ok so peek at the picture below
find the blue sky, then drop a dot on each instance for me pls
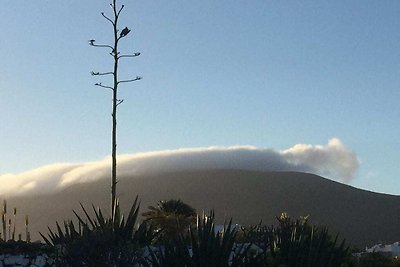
(270, 74)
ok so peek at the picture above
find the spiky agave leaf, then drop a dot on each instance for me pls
(295, 243)
(132, 216)
(99, 239)
(206, 247)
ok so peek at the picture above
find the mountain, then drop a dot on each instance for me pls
(362, 217)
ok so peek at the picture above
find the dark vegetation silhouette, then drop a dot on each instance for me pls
(100, 241)
(114, 52)
(9, 226)
(170, 218)
(296, 243)
(376, 259)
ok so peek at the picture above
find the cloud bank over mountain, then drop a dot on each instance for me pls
(332, 160)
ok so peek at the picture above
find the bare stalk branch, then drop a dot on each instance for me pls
(122, 7)
(119, 102)
(107, 46)
(104, 86)
(133, 55)
(131, 80)
(107, 18)
(101, 73)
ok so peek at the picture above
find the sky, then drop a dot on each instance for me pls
(262, 74)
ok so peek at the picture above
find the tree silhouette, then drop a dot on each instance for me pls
(171, 217)
(114, 19)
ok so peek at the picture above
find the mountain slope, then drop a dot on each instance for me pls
(362, 217)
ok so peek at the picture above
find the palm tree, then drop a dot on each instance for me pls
(170, 218)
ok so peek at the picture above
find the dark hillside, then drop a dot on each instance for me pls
(362, 217)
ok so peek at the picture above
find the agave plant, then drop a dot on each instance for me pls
(205, 247)
(296, 243)
(100, 240)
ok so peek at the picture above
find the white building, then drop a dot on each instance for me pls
(393, 249)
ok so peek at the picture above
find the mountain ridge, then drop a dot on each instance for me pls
(361, 217)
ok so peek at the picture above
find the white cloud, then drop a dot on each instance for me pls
(332, 160)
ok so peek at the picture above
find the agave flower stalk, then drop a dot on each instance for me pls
(9, 228)
(15, 222)
(4, 220)
(114, 52)
(27, 234)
